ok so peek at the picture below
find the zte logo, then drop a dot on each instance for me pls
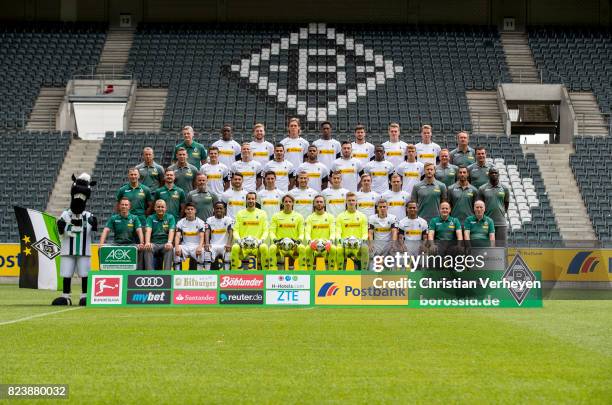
(118, 254)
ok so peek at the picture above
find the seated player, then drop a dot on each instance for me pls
(250, 233)
(218, 237)
(189, 238)
(287, 235)
(126, 228)
(159, 235)
(352, 235)
(320, 230)
(383, 230)
(412, 231)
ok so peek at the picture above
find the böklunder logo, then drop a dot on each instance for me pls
(242, 281)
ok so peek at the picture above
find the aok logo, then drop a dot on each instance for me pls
(118, 254)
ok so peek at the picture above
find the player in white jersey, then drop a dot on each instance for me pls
(295, 146)
(382, 231)
(410, 170)
(250, 169)
(284, 170)
(189, 238)
(362, 150)
(304, 195)
(366, 198)
(329, 149)
(235, 196)
(395, 150)
(261, 149)
(412, 230)
(229, 150)
(270, 198)
(396, 198)
(426, 150)
(335, 195)
(217, 173)
(218, 237)
(380, 170)
(349, 167)
(317, 171)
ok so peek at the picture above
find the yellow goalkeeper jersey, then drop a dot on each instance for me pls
(351, 224)
(320, 226)
(251, 223)
(287, 226)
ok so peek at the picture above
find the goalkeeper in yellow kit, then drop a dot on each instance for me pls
(250, 232)
(320, 231)
(287, 235)
(352, 235)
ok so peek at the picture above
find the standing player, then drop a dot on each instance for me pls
(380, 170)
(229, 149)
(218, 237)
(479, 171)
(395, 150)
(151, 173)
(335, 196)
(462, 196)
(366, 198)
(429, 193)
(235, 196)
(382, 230)
(410, 170)
(479, 227)
(250, 234)
(412, 230)
(317, 171)
(329, 148)
(352, 235)
(248, 168)
(463, 154)
(304, 195)
(320, 231)
(445, 172)
(496, 197)
(262, 150)
(216, 172)
(396, 197)
(184, 172)
(189, 239)
(295, 145)
(362, 150)
(426, 150)
(159, 238)
(287, 236)
(196, 152)
(172, 195)
(270, 198)
(349, 167)
(138, 194)
(202, 198)
(282, 168)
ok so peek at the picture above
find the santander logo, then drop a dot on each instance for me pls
(191, 297)
(242, 281)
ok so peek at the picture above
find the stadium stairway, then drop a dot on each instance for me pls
(45, 109)
(116, 51)
(148, 110)
(588, 115)
(567, 205)
(519, 58)
(81, 157)
(484, 112)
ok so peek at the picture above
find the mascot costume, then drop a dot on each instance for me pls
(76, 228)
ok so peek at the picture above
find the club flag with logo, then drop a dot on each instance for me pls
(40, 249)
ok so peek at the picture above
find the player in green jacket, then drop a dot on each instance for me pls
(352, 235)
(320, 231)
(287, 235)
(250, 232)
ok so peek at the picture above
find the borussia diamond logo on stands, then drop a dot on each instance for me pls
(333, 68)
(519, 271)
(47, 247)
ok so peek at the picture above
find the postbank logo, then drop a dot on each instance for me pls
(356, 290)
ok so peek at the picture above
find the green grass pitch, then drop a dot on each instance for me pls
(561, 353)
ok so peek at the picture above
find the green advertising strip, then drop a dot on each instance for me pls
(425, 289)
(118, 257)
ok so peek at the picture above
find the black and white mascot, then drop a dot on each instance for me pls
(76, 228)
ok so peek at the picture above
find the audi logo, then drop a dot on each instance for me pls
(149, 282)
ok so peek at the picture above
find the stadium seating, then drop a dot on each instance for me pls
(579, 57)
(594, 181)
(35, 55)
(372, 74)
(32, 160)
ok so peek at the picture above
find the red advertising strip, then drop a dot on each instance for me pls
(194, 297)
(242, 281)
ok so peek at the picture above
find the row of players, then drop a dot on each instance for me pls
(349, 235)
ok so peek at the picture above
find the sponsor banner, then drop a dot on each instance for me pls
(149, 282)
(287, 297)
(195, 282)
(155, 297)
(494, 257)
(105, 290)
(9, 259)
(357, 290)
(288, 282)
(194, 297)
(241, 281)
(241, 297)
(118, 257)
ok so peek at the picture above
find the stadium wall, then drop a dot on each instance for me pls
(472, 12)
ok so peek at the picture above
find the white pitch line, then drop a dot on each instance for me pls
(27, 318)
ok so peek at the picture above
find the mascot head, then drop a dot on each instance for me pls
(80, 192)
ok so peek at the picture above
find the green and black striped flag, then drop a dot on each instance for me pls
(40, 249)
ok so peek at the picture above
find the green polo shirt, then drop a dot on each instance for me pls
(428, 198)
(184, 176)
(446, 174)
(479, 229)
(445, 229)
(124, 229)
(495, 198)
(462, 200)
(139, 199)
(160, 228)
(479, 175)
(173, 197)
(151, 176)
(462, 159)
(204, 201)
(196, 153)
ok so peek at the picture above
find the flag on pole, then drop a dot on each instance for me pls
(40, 249)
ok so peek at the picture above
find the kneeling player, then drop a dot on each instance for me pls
(287, 234)
(250, 232)
(218, 237)
(320, 231)
(189, 238)
(352, 235)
